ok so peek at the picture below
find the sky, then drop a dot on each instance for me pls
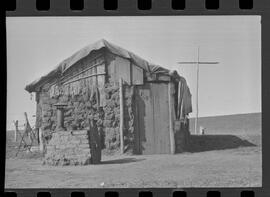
(35, 45)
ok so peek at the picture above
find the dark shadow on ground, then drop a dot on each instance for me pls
(200, 143)
(119, 161)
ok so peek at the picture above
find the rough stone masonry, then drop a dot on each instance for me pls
(68, 148)
(73, 147)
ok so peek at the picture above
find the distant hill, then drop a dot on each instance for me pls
(239, 124)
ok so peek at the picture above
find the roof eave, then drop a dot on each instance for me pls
(35, 85)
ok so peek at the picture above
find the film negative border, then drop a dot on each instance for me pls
(131, 7)
(135, 193)
(154, 192)
(159, 7)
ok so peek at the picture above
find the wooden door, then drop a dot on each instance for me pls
(152, 119)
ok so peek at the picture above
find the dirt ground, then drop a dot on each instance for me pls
(228, 161)
(224, 168)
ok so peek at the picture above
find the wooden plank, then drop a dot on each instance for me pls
(137, 121)
(164, 78)
(161, 117)
(156, 118)
(27, 126)
(77, 79)
(16, 130)
(94, 78)
(137, 75)
(91, 78)
(147, 128)
(121, 126)
(110, 68)
(41, 143)
(152, 117)
(122, 69)
(84, 71)
(101, 68)
(171, 117)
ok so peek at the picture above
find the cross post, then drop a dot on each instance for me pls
(198, 63)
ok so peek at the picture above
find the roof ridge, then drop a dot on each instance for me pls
(85, 51)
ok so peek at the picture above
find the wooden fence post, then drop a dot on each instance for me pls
(27, 127)
(171, 117)
(16, 130)
(121, 127)
(40, 136)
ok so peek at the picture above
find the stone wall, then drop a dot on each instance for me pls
(80, 108)
(129, 135)
(84, 106)
(111, 120)
(68, 148)
(47, 117)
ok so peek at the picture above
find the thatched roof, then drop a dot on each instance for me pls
(69, 62)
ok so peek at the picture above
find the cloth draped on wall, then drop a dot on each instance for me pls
(184, 106)
(99, 95)
(77, 88)
(95, 94)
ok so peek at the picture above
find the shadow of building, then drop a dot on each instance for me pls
(200, 143)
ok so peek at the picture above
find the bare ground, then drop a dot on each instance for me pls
(225, 168)
(226, 162)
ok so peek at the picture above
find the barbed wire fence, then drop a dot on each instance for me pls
(16, 122)
(11, 117)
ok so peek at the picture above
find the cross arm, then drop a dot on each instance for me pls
(198, 62)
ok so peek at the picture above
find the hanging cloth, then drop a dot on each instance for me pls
(184, 106)
(95, 94)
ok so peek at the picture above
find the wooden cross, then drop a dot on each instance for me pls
(198, 62)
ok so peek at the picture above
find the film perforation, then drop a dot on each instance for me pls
(43, 194)
(111, 194)
(110, 4)
(179, 194)
(212, 4)
(10, 5)
(77, 194)
(213, 194)
(144, 4)
(43, 5)
(247, 194)
(146, 194)
(10, 194)
(77, 5)
(245, 4)
(178, 4)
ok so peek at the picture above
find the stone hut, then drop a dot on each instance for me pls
(137, 107)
